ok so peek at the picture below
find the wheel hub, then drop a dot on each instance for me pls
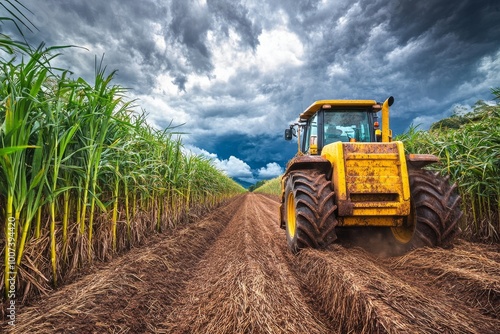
(404, 233)
(290, 215)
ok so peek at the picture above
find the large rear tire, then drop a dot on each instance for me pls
(436, 212)
(309, 211)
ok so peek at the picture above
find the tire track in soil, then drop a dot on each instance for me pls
(244, 285)
(469, 274)
(364, 295)
(232, 273)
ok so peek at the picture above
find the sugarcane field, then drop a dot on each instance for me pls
(162, 197)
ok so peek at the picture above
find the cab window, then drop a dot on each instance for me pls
(345, 126)
(311, 137)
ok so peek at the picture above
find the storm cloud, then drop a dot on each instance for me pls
(236, 73)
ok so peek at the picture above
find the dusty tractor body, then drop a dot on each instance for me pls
(348, 174)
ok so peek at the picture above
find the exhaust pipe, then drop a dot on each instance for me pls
(385, 119)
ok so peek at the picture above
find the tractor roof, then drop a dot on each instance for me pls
(313, 108)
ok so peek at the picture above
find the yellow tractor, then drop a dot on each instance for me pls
(348, 175)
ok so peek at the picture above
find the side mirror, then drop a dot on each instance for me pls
(289, 134)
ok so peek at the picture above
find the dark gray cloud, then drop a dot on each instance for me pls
(415, 50)
(188, 29)
(236, 72)
(229, 13)
(127, 32)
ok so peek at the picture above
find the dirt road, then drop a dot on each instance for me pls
(232, 273)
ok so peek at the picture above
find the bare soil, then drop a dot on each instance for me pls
(232, 272)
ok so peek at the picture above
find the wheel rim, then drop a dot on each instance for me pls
(290, 215)
(404, 233)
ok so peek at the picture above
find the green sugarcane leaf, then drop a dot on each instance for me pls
(36, 180)
(12, 149)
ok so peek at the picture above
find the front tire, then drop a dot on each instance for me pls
(309, 210)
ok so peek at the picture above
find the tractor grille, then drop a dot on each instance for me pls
(373, 175)
(356, 197)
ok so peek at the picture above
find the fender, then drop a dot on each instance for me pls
(417, 161)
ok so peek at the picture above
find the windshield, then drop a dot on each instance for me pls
(344, 125)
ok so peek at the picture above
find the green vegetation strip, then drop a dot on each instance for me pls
(468, 146)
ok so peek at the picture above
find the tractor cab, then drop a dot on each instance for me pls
(329, 121)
